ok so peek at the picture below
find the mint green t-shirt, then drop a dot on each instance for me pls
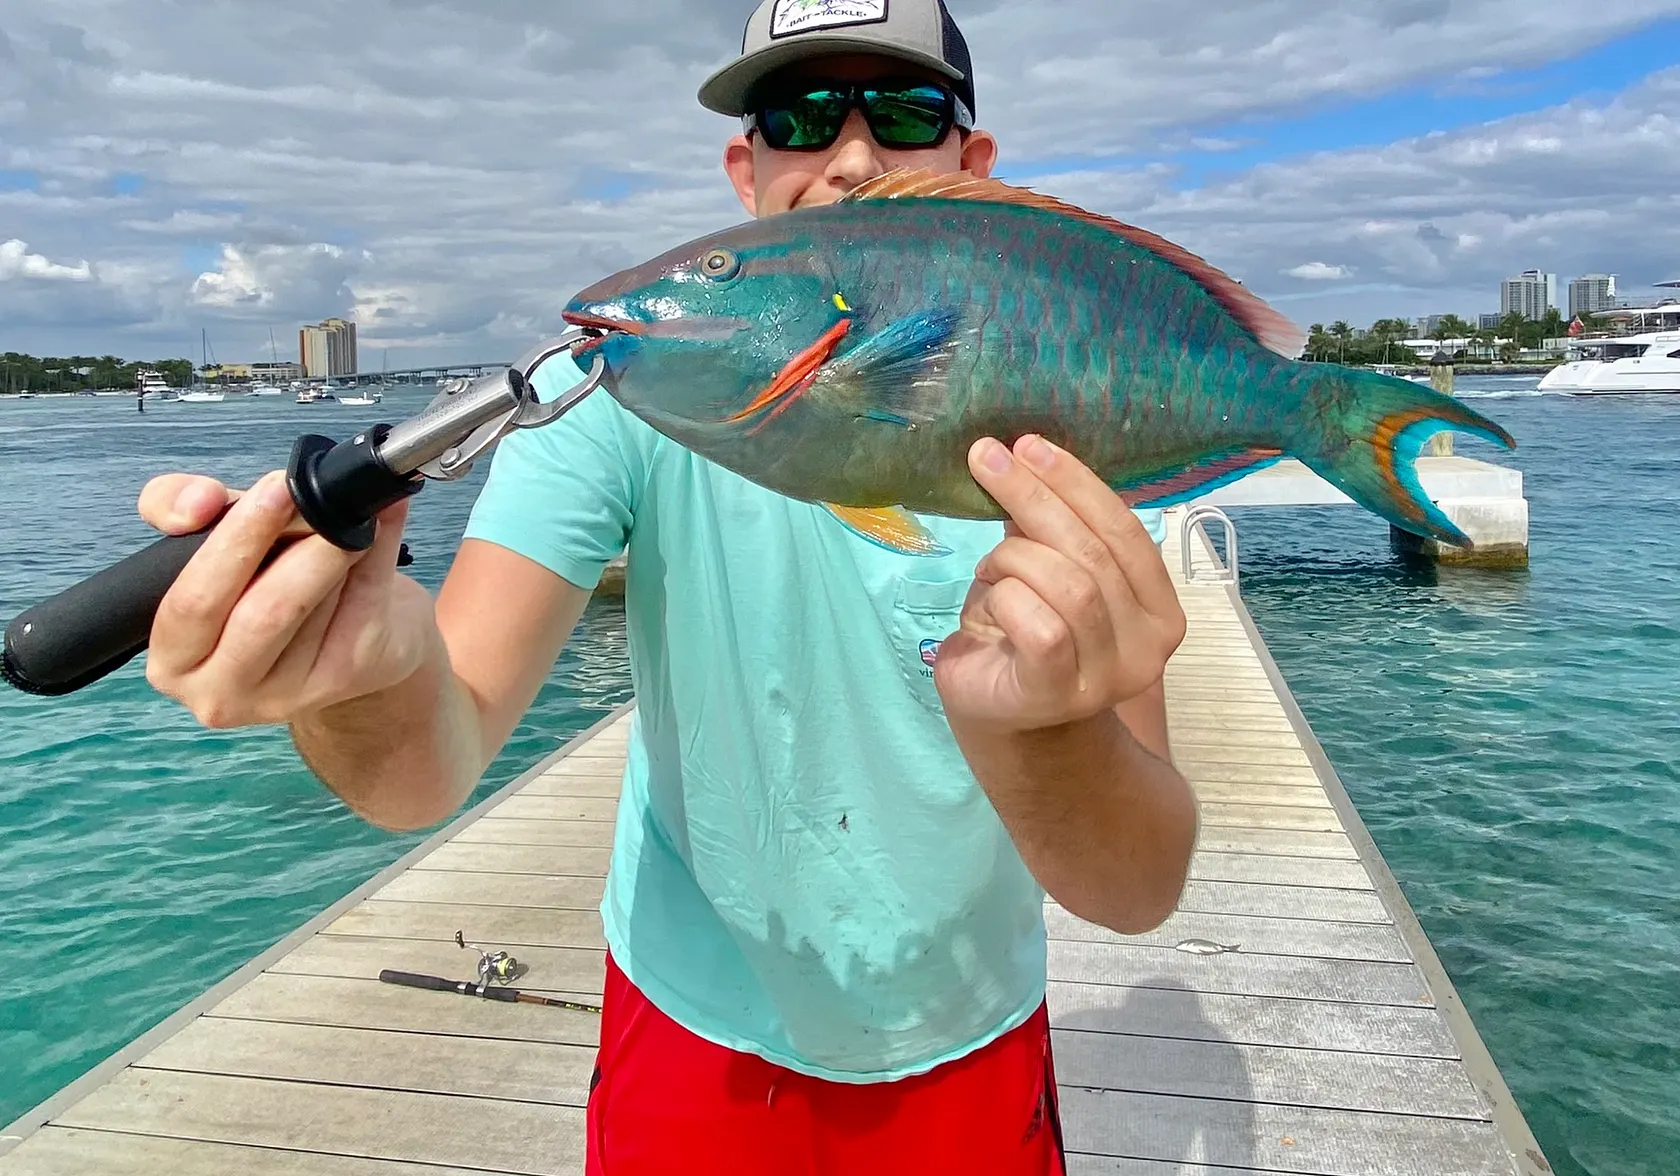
(803, 865)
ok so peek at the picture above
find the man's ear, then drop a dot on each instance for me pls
(738, 162)
(979, 154)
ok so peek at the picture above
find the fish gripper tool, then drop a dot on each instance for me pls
(98, 625)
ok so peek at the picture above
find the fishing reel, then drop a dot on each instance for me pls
(498, 966)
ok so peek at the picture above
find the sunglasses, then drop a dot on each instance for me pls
(915, 115)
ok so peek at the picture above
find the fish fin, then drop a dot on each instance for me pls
(1190, 481)
(1272, 329)
(798, 375)
(891, 527)
(897, 374)
(1368, 447)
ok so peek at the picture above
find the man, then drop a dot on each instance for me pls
(853, 774)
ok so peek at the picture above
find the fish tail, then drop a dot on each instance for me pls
(1368, 438)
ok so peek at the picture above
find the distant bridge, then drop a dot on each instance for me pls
(418, 375)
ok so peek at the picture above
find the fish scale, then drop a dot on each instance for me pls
(851, 355)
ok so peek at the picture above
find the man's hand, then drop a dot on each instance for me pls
(1072, 614)
(1052, 688)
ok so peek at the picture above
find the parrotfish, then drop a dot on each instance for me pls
(850, 356)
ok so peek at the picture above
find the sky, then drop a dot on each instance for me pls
(449, 174)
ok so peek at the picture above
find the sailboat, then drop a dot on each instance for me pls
(200, 392)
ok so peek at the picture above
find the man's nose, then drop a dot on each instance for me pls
(854, 158)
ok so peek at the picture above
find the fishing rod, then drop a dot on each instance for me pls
(487, 992)
(98, 625)
(492, 967)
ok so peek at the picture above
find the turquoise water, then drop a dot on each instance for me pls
(1510, 739)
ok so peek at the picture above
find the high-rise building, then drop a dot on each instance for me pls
(1530, 294)
(328, 349)
(1592, 293)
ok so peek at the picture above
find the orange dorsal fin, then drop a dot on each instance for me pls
(1272, 329)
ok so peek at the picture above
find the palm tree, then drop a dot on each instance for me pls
(1514, 325)
(1342, 333)
(1318, 343)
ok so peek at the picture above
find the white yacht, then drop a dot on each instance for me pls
(370, 396)
(153, 386)
(203, 394)
(1630, 364)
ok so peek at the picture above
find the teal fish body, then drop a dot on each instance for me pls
(851, 355)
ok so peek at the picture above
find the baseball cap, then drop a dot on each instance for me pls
(782, 32)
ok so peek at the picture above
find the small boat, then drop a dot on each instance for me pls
(203, 395)
(371, 396)
(309, 395)
(1630, 365)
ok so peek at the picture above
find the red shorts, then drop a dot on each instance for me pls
(664, 1101)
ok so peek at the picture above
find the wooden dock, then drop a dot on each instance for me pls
(1330, 1041)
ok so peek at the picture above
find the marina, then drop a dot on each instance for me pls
(1328, 1039)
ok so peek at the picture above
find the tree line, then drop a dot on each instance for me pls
(1382, 343)
(84, 373)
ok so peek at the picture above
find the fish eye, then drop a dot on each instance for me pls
(720, 265)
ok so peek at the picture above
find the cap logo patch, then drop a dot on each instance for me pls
(801, 16)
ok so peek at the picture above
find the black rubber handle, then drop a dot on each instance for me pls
(101, 624)
(439, 984)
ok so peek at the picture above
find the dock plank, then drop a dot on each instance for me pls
(473, 856)
(508, 927)
(1245, 1135)
(566, 972)
(1180, 1013)
(1330, 1080)
(525, 1138)
(71, 1151)
(369, 1004)
(1238, 973)
(1283, 902)
(1292, 937)
(518, 1069)
(578, 834)
(485, 888)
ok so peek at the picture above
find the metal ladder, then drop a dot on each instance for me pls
(1195, 522)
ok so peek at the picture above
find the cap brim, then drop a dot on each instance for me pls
(726, 90)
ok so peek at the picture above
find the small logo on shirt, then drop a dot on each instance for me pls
(801, 16)
(930, 654)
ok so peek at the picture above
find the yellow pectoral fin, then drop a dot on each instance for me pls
(891, 527)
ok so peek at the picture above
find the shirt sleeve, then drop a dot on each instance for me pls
(1155, 522)
(565, 495)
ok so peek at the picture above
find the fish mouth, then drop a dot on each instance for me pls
(598, 329)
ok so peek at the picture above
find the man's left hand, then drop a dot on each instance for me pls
(1072, 614)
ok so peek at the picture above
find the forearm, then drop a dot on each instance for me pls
(1105, 825)
(404, 758)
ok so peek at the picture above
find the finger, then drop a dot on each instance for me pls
(179, 504)
(1107, 515)
(278, 602)
(1070, 591)
(288, 681)
(371, 578)
(1045, 663)
(1036, 508)
(193, 612)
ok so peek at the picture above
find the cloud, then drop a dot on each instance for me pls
(17, 262)
(1318, 271)
(449, 175)
(267, 280)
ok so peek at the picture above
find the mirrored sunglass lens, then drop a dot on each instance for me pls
(914, 116)
(807, 121)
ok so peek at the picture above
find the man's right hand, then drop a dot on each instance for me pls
(316, 627)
